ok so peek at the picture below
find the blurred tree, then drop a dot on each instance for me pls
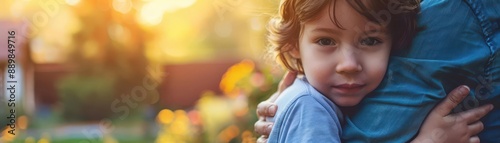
(108, 57)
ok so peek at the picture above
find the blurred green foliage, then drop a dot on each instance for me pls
(106, 67)
(87, 98)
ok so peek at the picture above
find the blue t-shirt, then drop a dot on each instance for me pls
(305, 115)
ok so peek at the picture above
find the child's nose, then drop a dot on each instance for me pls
(348, 63)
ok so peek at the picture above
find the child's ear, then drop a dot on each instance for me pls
(295, 52)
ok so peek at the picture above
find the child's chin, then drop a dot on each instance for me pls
(347, 103)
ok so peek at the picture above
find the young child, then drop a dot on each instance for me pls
(342, 48)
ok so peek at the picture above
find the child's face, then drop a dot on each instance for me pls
(343, 64)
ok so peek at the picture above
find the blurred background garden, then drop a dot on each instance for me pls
(135, 71)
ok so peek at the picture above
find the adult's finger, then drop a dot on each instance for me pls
(262, 139)
(266, 109)
(475, 128)
(262, 127)
(474, 139)
(452, 100)
(473, 115)
(287, 80)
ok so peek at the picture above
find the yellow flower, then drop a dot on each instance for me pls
(165, 116)
(234, 74)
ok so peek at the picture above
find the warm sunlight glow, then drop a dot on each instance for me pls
(256, 24)
(184, 3)
(119, 33)
(174, 5)
(223, 29)
(90, 49)
(152, 11)
(151, 14)
(175, 52)
(72, 2)
(17, 8)
(122, 6)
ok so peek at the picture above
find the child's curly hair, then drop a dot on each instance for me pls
(284, 30)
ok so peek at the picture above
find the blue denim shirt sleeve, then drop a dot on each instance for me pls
(459, 45)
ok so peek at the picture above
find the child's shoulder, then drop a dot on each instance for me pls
(300, 107)
(296, 94)
(301, 94)
(299, 89)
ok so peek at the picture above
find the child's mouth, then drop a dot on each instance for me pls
(348, 88)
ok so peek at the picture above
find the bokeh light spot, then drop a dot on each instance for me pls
(72, 2)
(122, 6)
(22, 122)
(165, 116)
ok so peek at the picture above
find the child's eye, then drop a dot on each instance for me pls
(325, 42)
(370, 41)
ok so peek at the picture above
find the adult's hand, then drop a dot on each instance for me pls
(268, 108)
(440, 126)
